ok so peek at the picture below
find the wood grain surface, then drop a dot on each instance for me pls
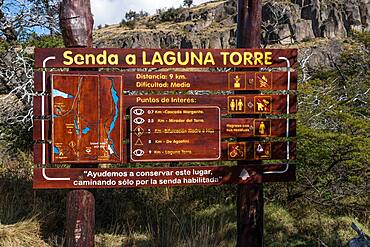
(184, 81)
(63, 178)
(143, 58)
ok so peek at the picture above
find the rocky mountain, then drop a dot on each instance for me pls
(213, 24)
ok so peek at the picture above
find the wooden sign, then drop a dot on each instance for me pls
(178, 80)
(240, 150)
(167, 81)
(175, 133)
(165, 151)
(249, 150)
(87, 121)
(257, 127)
(229, 104)
(162, 58)
(88, 178)
(86, 113)
(230, 127)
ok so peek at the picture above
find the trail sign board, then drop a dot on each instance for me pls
(102, 117)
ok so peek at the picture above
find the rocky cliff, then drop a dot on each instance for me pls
(213, 24)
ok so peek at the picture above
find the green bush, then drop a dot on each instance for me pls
(363, 37)
(45, 41)
(170, 14)
(131, 24)
(150, 25)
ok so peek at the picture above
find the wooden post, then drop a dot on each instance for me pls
(76, 22)
(249, 197)
(249, 23)
(80, 218)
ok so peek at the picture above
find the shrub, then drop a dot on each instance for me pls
(169, 15)
(188, 3)
(131, 24)
(133, 15)
(45, 41)
(150, 25)
(363, 37)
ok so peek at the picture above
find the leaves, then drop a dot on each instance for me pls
(334, 134)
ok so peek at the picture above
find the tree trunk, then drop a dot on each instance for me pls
(80, 219)
(76, 23)
(250, 196)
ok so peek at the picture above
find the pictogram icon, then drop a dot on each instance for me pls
(263, 104)
(138, 131)
(236, 104)
(138, 111)
(139, 142)
(263, 80)
(262, 150)
(139, 120)
(237, 81)
(138, 152)
(262, 127)
(237, 150)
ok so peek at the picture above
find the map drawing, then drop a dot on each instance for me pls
(86, 118)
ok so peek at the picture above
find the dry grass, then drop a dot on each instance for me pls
(116, 240)
(213, 226)
(24, 233)
(117, 29)
(307, 226)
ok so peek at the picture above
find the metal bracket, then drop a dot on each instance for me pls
(43, 108)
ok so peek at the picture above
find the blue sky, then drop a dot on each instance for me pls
(113, 11)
